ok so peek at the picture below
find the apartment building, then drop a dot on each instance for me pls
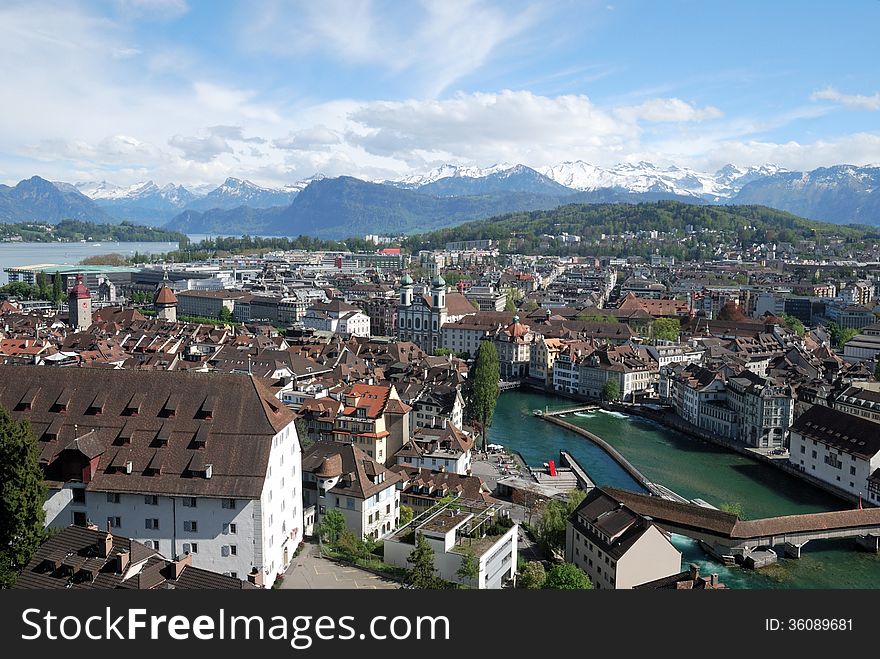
(160, 457)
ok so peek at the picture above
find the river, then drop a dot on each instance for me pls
(693, 469)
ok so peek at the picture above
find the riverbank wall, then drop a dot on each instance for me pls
(615, 455)
(675, 422)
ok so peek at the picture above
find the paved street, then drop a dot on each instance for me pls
(310, 571)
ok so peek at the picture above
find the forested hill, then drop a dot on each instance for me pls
(596, 224)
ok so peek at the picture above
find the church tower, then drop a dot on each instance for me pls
(79, 302)
(406, 291)
(438, 292)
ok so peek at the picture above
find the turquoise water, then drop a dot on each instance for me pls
(692, 469)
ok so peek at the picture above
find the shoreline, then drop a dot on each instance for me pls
(678, 424)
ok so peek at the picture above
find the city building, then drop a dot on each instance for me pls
(81, 558)
(617, 547)
(210, 304)
(840, 449)
(445, 449)
(79, 302)
(455, 531)
(159, 457)
(764, 409)
(343, 477)
(420, 319)
(860, 401)
(338, 317)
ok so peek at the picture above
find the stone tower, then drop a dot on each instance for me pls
(79, 301)
(165, 302)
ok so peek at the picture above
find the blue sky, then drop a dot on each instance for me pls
(193, 91)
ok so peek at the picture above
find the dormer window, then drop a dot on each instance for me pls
(164, 435)
(27, 401)
(206, 411)
(200, 440)
(169, 410)
(126, 433)
(133, 407)
(63, 401)
(98, 403)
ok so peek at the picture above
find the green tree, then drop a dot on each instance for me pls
(20, 289)
(532, 576)
(567, 576)
(509, 302)
(666, 329)
(57, 291)
(443, 352)
(611, 390)
(845, 336)
(331, 526)
(43, 286)
(22, 494)
(530, 306)
(794, 324)
(484, 387)
(733, 508)
(469, 570)
(551, 530)
(421, 576)
(406, 515)
(225, 315)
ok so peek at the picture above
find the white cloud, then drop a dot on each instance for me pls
(856, 101)
(515, 126)
(153, 9)
(316, 138)
(667, 110)
(436, 43)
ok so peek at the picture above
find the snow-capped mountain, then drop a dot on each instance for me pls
(236, 192)
(449, 171)
(643, 177)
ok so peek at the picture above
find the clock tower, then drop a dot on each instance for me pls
(79, 302)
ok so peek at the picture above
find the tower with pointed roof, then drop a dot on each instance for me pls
(79, 302)
(438, 292)
(406, 291)
(165, 301)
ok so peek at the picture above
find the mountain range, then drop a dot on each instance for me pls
(448, 195)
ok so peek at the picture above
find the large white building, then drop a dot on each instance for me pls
(338, 317)
(838, 448)
(186, 463)
(617, 547)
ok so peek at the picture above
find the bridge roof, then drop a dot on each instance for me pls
(689, 515)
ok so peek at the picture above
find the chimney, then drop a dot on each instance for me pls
(128, 467)
(105, 545)
(122, 560)
(180, 564)
(694, 571)
(209, 470)
(713, 580)
(256, 577)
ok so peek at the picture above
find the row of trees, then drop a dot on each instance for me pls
(44, 289)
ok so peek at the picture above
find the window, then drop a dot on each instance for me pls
(151, 523)
(112, 497)
(229, 503)
(114, 522)
(78, 494)
(349, 503)
(388, 509)
(191, 526)
(151, 499)
(152, 544)
(814, 455)
(233, 550)
(803, 449)
(189, 502)
(852, 471)
(190, 548)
